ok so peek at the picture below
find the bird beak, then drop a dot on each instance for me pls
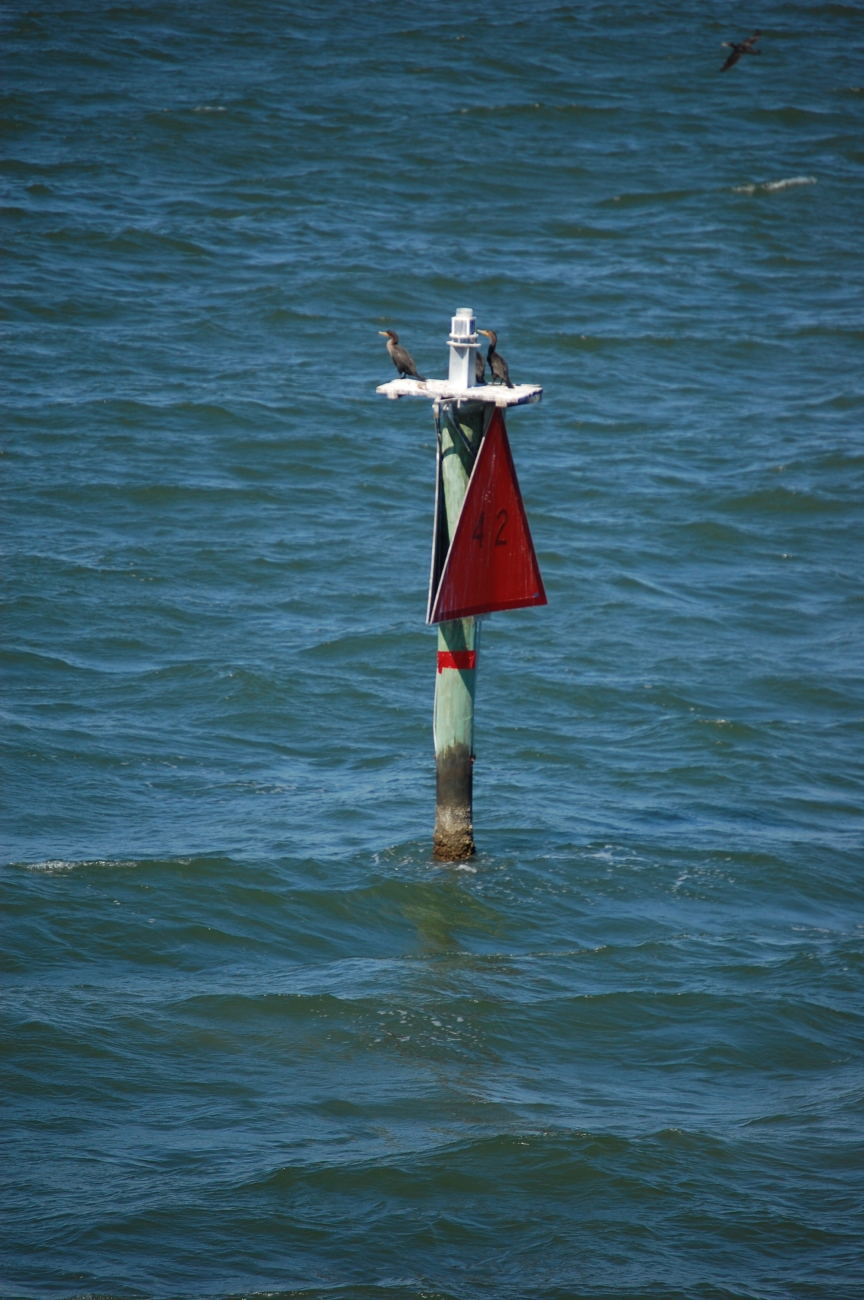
(486, 332)
(384, 332)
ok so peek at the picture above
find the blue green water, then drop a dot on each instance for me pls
(255, 1041)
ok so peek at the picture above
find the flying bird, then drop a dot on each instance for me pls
(401, 357)
(497, 364)
(740, 47)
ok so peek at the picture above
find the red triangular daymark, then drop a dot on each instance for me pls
(491, 563)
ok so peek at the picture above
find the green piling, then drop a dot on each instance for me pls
(462, 412)
(461, 432)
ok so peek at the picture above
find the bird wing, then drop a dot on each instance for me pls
(751, 40)
(406, 364)
(733, 57)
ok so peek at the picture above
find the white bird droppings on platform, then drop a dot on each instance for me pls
(439, 390)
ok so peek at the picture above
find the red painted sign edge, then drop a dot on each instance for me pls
(470, 611)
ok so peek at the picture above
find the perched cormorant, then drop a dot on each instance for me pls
(402, 358)
(740, 47)
(480, 367)
(497, 364)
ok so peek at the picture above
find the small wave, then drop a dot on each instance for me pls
(209, 108)
(645, 196)
(61, 864)
(494, 109)
(768, 187)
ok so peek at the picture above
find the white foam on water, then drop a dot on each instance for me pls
(767, 187)
(60, 864)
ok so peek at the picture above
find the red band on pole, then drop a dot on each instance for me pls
(457, 659)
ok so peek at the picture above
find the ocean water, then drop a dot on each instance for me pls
(255, 1041)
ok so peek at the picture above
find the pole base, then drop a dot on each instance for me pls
(454, 833)
(454, 839)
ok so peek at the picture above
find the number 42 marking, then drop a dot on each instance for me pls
(500, 539)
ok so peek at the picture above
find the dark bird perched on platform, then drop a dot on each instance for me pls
(497, 364)
(480, 367)
(402, 358)
(740, 47)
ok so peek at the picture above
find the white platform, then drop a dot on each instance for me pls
(440, 390)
